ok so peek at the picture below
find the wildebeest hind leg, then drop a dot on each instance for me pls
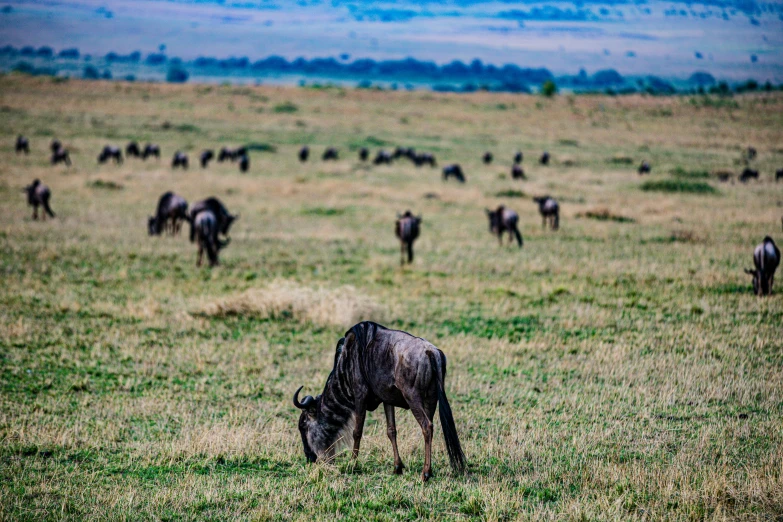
(391, 431)
(425, 421)
(35, 212)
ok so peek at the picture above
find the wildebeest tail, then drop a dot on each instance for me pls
(518, 236)
(453, 447)
(46, 207)
(192, 222)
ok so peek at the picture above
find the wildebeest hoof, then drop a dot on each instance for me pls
(398, 469)
(426, 476)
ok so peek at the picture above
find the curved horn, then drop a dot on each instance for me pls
(308, 400)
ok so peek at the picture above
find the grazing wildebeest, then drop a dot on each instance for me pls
(644, 168)
(747, 174)
(364, 154)
(231, 154)
(132, 150)
(766, 258)
(38, 194)
(454, 171)
(487, 158)
(61, 156)
(244, 163)
(517, 172)
(110, 151)
(330, 154)
(206, 230)
(150, 149)
(504, 220)
(750, 153)
(549, 210)
(544, 160)
(22, 144)
(407, 230)
(778, 175)
(172, 210)
(372, 366)
(425, 158)
(304, 153)
(383, 157)
(214, 205)
(206, 157)
(724, 175)
(180, 159)
(518, 157)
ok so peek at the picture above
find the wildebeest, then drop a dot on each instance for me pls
(766, 258)
(22, 145)
(38, 194)
(504, 220)
(205, 157)
(549, 210)
(110, 152)
(244, 163)
(150, 149)
(372, 366)
(304, 153)
(724, 175)
(454, 171)
(644, 168)
(518, 157)
(231, 154)
(747, 174)
(408, 152)
(383, 157)
(171, 211)
(406, 228)
(778, 175)
(206, 230)
(750, 153)
(55, 145)
(364, 154)
(544, 159)
(517, 172)
(61, 156)
(330, 154)
(487, 158)
(425, 158)
(132, 150)
(180, 159)
(214, 205)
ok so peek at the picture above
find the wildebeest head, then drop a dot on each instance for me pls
(152, 226)
(308, 423)
(227, 223)
(756, 274)
(495, 217)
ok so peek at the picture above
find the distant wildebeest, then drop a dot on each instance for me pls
(304, 153)
(518, 157)
(244, 163)
(110, 152)
(549, 210)
(766, 258)
(364, 154)
(39, 194)
(425, 158)
(172, 210)
(383, 157)
(22, 144)
(205, 157)
(407, 230)
(61, 156)
(214, 205)
(517, 172)
(778, 175)
(150, 149)
(487, 158)
(750, 153)
(231, 154)
(544, 160)
(399, 152)
(330, 154)
(747, 174)
(504, 220)
(724, 175)
(644, 168)
(454, 171)
(180, 159)
(132, 150)
(205, 226)
(372, 366)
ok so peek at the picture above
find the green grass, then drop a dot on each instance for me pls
(678, 185)
(680, 172)
(610, 370)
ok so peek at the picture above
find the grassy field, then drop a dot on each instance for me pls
(619, 368)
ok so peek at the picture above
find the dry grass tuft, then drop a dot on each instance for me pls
(342, 306)
(604, 214)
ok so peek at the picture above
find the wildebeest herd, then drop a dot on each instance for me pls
(373, 365)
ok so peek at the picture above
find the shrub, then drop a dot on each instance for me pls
(177, 74)
(286, 107)
(678, 185)
(91, 73)
(549, 88)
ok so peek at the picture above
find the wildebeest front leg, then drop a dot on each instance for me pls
(402, 253)
(35, 212)
(200, 253)
(358, 429)
(391, 431)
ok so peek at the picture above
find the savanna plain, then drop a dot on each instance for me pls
(619, 368)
